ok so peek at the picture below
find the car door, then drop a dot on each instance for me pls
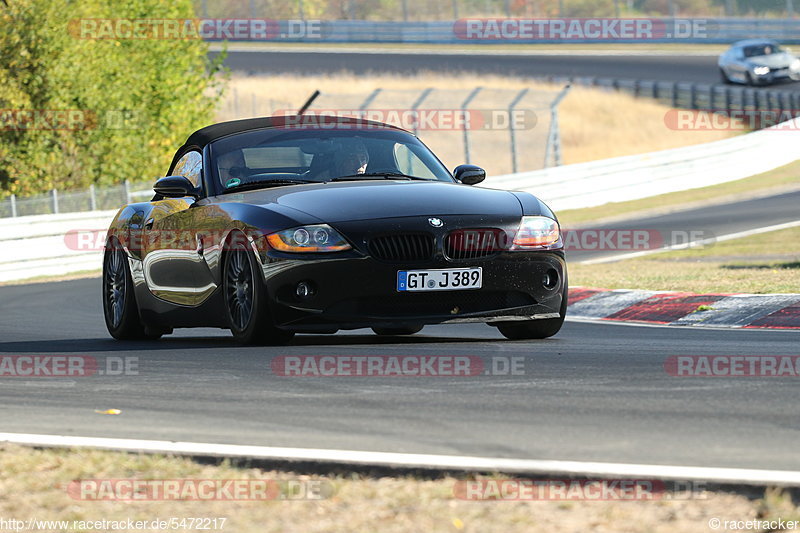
(171, 262)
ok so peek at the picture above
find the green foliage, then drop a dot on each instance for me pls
(138, 98)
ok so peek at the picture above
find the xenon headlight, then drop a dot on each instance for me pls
(316, 238)
(760, 71)
(537, 232)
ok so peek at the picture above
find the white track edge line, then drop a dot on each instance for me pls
(411, 460)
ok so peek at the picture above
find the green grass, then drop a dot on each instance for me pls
(778, 179)
(762, 264)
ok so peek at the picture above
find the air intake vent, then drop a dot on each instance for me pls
(473, 243)
(408, 247)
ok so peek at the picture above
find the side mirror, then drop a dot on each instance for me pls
(469, 174)
(176, 187)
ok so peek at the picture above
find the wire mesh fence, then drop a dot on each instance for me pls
(502, 130)
(91, 199)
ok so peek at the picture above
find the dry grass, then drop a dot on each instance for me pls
(763, 264)
(32, 486)
(595, 124)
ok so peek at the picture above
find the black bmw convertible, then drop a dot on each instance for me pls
(274, 226)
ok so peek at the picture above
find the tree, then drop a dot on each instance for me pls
(135, 100)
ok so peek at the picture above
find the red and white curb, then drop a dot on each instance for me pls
(772, 311)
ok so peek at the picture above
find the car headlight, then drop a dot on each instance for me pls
(760, 71)
(537, 232)
(795, 65)
(316, 238)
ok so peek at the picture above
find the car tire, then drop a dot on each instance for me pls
(537, 329)
(397, 331)
(119, 300)
(246, 303)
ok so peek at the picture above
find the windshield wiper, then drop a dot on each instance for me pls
(267, 183)
(380, 175)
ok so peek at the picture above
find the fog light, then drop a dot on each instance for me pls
(304, 290)
(550, 279)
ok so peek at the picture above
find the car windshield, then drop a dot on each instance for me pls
(282, 156)
(764, 49)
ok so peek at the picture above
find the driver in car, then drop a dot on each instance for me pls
(349, 159)
(232, 168)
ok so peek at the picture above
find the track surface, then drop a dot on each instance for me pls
(711, 222)
(701, 69)
(595, 392)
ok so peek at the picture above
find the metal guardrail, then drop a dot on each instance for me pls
(717, 31)
(37, 245)
(689, 95)
(640, 176)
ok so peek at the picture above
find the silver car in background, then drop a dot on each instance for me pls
(758, 62)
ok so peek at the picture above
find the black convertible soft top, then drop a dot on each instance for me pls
(200, 138)
(211, 133)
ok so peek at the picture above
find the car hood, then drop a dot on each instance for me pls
(343, 201)
(772, 61)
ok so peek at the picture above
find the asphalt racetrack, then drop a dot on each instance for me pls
(689, 68)
(595, 392)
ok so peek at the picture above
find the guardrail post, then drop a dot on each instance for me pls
(655, 90)
(54, 194)
(728, 102)
(675, 94)
(464, 105)
(513, 103)
(92, 198)
(712, 97)
(13, 206)
(405, 10)
(692, 96)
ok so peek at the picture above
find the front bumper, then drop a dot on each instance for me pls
(354, 291)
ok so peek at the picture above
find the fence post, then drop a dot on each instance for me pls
(675, 95)
(554, 136)
(369, 99)
(92, 198)
(127, 188)
(13, 205)
(418, 103)
(405, 10)
(455, 9)
(464, 105)
(513, 103)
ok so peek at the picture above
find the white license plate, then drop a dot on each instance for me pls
(448, 279)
